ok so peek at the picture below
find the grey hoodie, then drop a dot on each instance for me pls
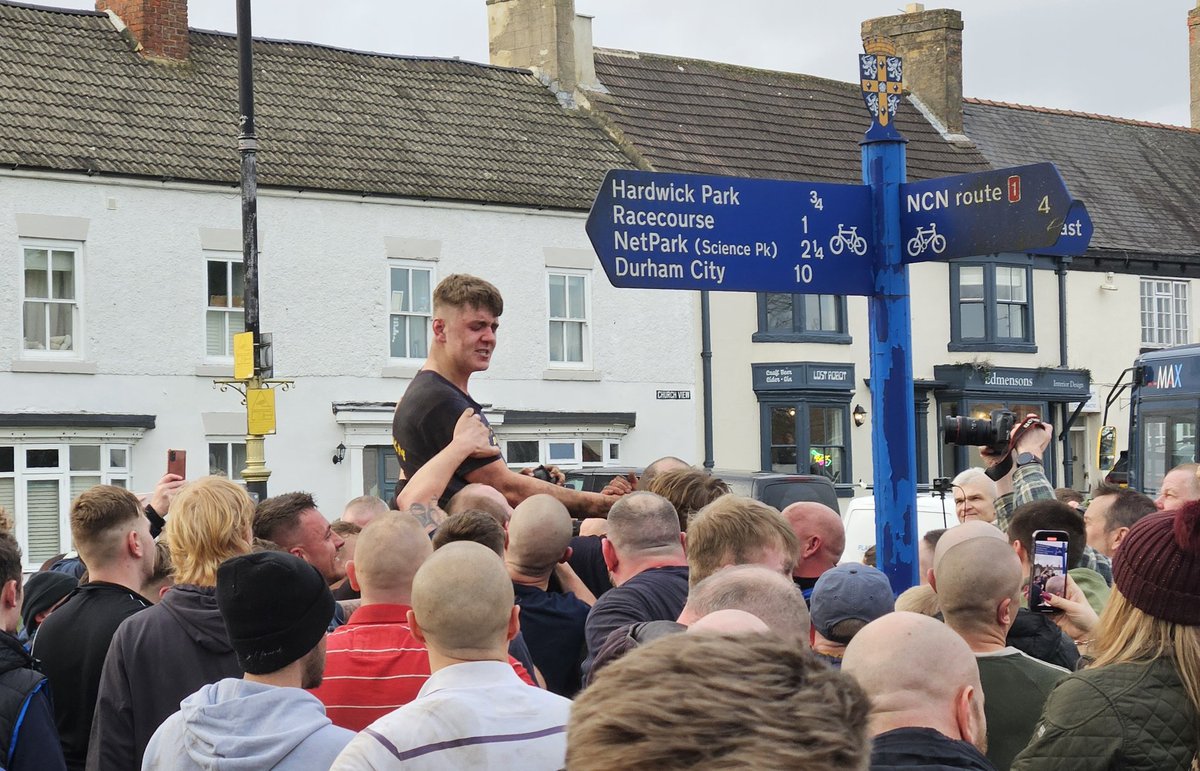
(234, 725)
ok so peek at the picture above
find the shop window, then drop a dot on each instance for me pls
(792, 318)
(227, 459)
(809, 438)
(991, 307)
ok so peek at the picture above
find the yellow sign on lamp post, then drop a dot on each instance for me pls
(260, 411)
(243, 356)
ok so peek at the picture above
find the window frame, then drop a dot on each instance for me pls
(234, 475)
(585, 363)
(77, 316)
(802, 402)
(799, 333)
(409, 265)
(22, 474)
(1175, 329)
(990, 341)
(229, 258)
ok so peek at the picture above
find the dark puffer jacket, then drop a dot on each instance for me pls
(1123, 716)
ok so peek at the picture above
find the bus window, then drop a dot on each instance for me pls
(1167, 441)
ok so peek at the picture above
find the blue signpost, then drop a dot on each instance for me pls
(684, 231)
(687, 231)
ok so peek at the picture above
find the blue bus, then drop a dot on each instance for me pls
(1164, 409)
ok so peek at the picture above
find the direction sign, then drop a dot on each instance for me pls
(1021, 209)
(1075, 235)
(685, 231)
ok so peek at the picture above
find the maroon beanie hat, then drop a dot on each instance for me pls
(1157, 566)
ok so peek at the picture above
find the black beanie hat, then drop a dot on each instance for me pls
(276, 608)
(42, 591)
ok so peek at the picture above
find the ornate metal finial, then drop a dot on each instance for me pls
(882, 83)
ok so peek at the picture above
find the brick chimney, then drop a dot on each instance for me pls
(158, 27)
(1194, 59)
(930, 43)
(537, 35)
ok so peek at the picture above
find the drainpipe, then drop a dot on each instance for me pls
(706, 364)
(1061, 270)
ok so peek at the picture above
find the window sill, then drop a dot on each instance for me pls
(405, 371)
(64, 367)
(591, 375)
(993, 346)
(801, 337)
(214, 370)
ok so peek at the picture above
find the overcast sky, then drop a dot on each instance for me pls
(1116, 57)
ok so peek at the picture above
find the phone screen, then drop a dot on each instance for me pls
(1049, 569)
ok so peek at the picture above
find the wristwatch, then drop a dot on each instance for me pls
(1027, 459)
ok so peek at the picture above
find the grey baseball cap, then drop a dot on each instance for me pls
(849, 591)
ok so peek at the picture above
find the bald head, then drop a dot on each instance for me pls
(388, 553)
(974, 579)
(480, 497)
(644, 524)
(660, 466)
(754, 589)
(462, 601)
(821, 534)
(363, 509)
(960, 534)
(892, 658)
(730, 621)
(539, 534)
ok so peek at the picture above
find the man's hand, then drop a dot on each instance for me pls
(1034, 440)
(621, 485)
(164, 491)
(472, 434)
(1077, 618)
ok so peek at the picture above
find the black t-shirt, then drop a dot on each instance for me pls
(424, 425)
(71, 644)
(657, 594)
(552, 624)
(587, 560)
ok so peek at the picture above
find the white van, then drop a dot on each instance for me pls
(859, 520)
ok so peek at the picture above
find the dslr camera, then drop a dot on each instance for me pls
(980, 432)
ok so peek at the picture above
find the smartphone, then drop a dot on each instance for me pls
(177, 462)
(1048, 568)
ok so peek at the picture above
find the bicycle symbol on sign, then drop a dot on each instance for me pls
(926, 238)
(848, 238)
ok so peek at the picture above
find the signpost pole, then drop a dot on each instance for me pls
(893, 423)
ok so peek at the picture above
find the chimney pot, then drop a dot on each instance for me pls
(914, 8)
(930, 42)
(159, 26)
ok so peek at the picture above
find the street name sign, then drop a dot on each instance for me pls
(1021, 209)
(655, 230)
(1075, 235)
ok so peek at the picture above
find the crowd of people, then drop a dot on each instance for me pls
(491, 619)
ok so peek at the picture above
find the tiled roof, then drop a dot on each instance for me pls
(75, 98)
(689, 115)
(1139, 180)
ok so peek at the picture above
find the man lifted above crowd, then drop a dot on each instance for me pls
(465, 313)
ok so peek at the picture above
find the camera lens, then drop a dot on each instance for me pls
(972, 432)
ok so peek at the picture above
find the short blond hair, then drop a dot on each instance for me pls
(733, 530)
(719, 701)
(209, 523)
(461, 290)
(100, 518)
